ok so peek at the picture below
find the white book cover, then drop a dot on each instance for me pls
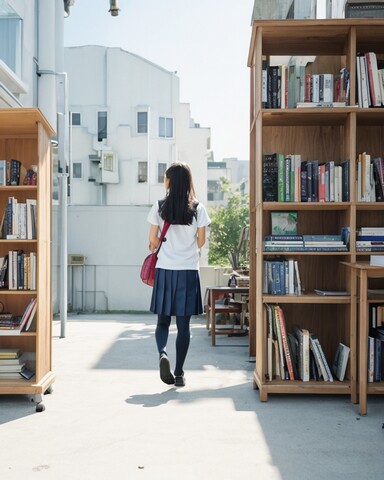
(328, 87)
(374, 87)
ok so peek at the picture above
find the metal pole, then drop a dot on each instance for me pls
(63, 252)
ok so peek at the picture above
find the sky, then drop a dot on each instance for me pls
(205, 41)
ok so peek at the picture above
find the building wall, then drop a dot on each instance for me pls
(122, 83)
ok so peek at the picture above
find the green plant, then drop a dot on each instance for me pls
(226, 225)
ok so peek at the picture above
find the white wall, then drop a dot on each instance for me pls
(115, 241)
(122, 84)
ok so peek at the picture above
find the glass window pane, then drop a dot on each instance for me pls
(76, 119)
(101, 126)
(142, 122)
(169, 127)
(10, 43)
(142, 172)
(161, 127)
(77, 170)
(162, 167)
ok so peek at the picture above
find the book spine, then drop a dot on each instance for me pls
(317, 357)
(285, 344)
(280, 342)
(324, 360)
(270, 170)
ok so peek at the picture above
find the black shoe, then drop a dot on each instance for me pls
(179, 380)
(165, 370)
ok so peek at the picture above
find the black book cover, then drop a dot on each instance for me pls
(345, 180)
(303, 182)
(270, 170)
(273, 86)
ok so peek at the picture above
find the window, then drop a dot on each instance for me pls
(142, 176)
(77, 170)
(161, 168)
(165, 127)
(10, 38)
(101, 126)
(142, 122)
(75, 119)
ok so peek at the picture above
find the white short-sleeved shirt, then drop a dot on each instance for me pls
(179, 251)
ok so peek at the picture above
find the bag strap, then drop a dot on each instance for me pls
(164, 231)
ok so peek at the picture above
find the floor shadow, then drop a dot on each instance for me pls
(239, 394)
(14, 407)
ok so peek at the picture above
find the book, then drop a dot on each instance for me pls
(270, 169)
(340, 361)
(27, 313)
(321, 104)
(323, 358)
(31, 315)
(10, 353)
(11, 367)
(302, 336)
(3, 172)
(269, 341)
(15, 172)
(284, 337)
(331, 293)
(284, 223)
(279, 342)
(318, 358)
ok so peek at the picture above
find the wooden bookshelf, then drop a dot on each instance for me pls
(324, 134)
(26, 135)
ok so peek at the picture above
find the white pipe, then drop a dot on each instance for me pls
(63, 178)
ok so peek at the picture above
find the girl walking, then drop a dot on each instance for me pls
(176, 291)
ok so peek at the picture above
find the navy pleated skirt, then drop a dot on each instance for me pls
(176, 292)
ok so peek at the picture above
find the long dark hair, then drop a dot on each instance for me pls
(178, 207)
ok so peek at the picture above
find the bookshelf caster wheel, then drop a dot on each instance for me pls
(40, 407)
(49, 390)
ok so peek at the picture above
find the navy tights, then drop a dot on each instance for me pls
(182, 340)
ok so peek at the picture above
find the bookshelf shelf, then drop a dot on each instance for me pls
(324, 134)
(306, 298)
(26, 136)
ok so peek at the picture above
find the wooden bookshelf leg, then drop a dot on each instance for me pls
(263, 395)
(363, 340)
(213, 320)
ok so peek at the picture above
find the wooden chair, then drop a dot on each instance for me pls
(226, 305)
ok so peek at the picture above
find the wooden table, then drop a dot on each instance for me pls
(364, 271)
(212, 295)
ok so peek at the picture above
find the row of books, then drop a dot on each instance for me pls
(376, 354)
(292, 87)
(19, 220)
(10, 172)
(370, 239)
(18, 270)
(370, 80)
(307, 243)
(281, 277)
(285, 178)
(369, 178)
(376, 315)
(298, 355)
(15, 324)
(13, 364)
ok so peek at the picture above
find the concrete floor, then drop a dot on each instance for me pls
(110, 416)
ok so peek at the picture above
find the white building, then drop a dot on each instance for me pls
(128, 126)
(235, 171)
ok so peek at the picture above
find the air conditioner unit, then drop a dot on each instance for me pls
(76, 259)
